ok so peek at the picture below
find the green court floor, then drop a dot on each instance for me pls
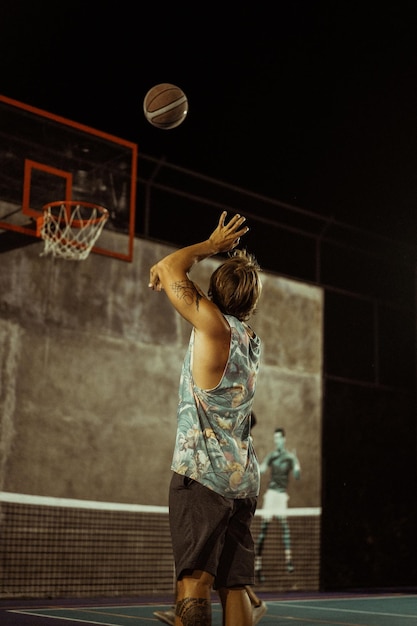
(344, 609)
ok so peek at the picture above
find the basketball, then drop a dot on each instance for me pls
(165, 106)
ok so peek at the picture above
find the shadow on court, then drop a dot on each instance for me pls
(318, 609)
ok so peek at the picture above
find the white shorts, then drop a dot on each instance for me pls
(274, 504)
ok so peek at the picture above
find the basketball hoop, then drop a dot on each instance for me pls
(70, 228)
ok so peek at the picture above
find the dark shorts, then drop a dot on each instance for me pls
(211, 533)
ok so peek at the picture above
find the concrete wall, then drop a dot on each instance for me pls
(89, 368)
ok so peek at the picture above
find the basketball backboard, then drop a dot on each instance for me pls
(46, 158)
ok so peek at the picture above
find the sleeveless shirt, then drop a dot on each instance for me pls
(213, 443)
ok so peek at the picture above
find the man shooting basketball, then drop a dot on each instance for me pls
(215, 482)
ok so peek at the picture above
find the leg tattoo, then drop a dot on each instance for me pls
(194, 612)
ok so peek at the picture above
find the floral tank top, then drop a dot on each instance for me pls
(213, 442)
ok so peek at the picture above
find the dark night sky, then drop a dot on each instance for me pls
(311, 103)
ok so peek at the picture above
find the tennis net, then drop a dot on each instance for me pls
(55, 547)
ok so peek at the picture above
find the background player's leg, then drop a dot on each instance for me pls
(259, 547)
(286, 540)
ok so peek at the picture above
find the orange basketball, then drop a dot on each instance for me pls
(165, 106)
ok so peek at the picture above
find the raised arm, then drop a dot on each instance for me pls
(212, 331)
(170, 274)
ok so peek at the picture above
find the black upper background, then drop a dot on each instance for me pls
(312, 103)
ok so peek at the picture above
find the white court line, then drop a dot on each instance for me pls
(102, 610)
(68, 619)
(344, 610)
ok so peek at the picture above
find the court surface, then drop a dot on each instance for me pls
(317, 609)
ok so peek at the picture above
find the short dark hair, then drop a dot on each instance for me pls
(280, 430)
(235, 286)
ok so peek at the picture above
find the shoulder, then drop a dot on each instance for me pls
(272, 456)
(241, 331)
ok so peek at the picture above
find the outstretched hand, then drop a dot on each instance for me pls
(224, 238)
(227, 236)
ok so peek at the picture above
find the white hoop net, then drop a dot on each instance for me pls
(70, 229)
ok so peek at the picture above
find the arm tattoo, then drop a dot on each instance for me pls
(194, 612)
(186, 290)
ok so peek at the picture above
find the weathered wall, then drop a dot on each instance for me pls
(90, 361)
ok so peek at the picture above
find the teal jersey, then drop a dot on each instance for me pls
(213, 443)
(281, 464)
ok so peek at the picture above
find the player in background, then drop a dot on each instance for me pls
(281, 463)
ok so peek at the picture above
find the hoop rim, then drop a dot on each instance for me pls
(73, 203)
(66, 232)
(69, 205)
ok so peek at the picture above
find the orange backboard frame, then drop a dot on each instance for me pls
(41, 154)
